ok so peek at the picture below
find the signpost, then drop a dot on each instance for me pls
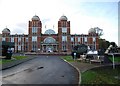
(113, 58)
(74, 56)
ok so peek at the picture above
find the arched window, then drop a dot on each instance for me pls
(49, 40)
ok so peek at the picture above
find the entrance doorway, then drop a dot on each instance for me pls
(49, 48)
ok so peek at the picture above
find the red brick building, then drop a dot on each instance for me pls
(62, 41)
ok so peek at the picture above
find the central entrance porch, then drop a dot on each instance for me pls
(49, 47)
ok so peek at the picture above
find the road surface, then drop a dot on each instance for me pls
(41, 70)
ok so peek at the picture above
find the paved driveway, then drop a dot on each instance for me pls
(42, 70)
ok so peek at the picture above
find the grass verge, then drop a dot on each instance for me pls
(102, 75)
(116, 59)
(3, 61)
(67, 58)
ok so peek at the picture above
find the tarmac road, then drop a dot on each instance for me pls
(41, 70)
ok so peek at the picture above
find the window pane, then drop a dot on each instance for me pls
(19, 39)
(94, 39)
(85, 39)
(64, 30)
(72, 39)
(3, 39)
(34, 38)
(19, 47)
(49, 40)
(64, 38)
(26, 39)
(34, 29)
(78, 39)
(12, 39)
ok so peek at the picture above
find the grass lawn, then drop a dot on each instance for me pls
(117, 59)
(3, 61)
(101, 75)
(19, 57)
(67, 58)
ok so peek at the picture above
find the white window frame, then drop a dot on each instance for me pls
(12, 39)
(19, 39)
(19, 47)
(64, 30)
(85, 39)
(79, 39)
(3, 39)
(34, 38)
(34, 29)
(26, 39)
(34, 47)
(72, 39)
(64, 38)
(64, 47)
(94, 39)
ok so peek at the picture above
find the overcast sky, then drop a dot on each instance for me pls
(83, 14)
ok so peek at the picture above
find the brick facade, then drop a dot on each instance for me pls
(36, 41)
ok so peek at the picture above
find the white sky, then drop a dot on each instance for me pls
(83, 15)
